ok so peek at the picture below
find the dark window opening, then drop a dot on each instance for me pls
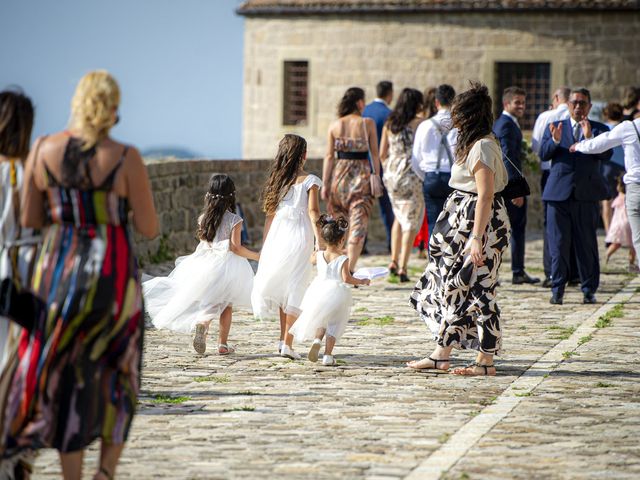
(295, 97)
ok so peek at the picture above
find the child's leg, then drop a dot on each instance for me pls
(320, 333)
(331, 342)
(289, 321)
(283, 325)
(612, 249)
(225, 325)
(632, 255)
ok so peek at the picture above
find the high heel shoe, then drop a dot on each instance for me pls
(393, 268)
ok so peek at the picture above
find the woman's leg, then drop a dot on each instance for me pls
(607, 213)
(482, 367)
(331, 342)
(438, 360)
(283, 325)
(109, 456)
(225, 325)
(613, 248)
(71, 464)
(405, 251)
(396, 241)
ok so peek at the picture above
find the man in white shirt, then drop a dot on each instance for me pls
(626, 134)
(433, 154)
(560, 111)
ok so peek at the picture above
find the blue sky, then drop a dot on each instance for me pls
(178, 62)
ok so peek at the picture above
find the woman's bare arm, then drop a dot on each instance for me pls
(373, 144)
(314, 215)
(32, 202)
(384, 145)
(485, 179)
(327, 165)
(139, 194)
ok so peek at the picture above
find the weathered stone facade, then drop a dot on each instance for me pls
(179, 187)
(597, 49)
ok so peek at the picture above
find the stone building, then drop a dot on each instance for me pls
(300, 56)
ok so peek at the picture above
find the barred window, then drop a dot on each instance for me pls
(295, 97)
(534, 78)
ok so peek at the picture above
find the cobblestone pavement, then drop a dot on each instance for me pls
(566, 402)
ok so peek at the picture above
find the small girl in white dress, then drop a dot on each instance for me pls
(290, 201)
(327, 303)
(212, 280)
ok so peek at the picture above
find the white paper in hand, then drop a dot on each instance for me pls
(371, 273)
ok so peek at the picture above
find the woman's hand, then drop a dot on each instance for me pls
(476, 252)
(324, 193)
(377, 190)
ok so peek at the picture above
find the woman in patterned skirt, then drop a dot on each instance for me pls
(350, 183)
(456, 296)
(403, 185)
(78, 374)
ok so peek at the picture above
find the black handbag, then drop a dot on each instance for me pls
(516, 187)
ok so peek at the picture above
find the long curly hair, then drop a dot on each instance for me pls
(471, 114)
(16, 123)
(409, 104)
(284, 171)
(94, 102)
(332, 230)
(220, 198)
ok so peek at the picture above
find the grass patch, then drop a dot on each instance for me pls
(585, 339)
(361, 309)
(546, 375)
(248, 393)
(523, 394)
(340, 362)
(604, 385)
(566, 355)
(377, 321)
(394, 280)
(561, 333)
(169, 399)
(239, 409)
(522, 327)
(213, 378)
(444, 437)
(607, 319)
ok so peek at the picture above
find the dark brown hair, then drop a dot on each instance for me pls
(332, 230)
(621, 187)
(16, 123)
(409, 104)
(284, 171)
(631, 98)
(511, 92)
(349, 102)
(430, 102)
(613, 112)
(472, 115)
(220, 198)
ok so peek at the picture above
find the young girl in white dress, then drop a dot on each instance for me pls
(327, 302)
(290, 201)
(211, 281)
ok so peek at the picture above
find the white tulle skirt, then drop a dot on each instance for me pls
(327, 304)
(201, 286)
(285, 270)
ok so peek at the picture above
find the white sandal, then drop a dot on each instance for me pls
(200, 340)
(224, 349)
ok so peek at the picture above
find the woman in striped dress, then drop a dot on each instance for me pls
(78, 375)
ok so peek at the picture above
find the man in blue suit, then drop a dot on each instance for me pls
(574, 190)
(507, 129)
(380, 110)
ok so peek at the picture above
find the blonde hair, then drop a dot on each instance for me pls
(94, 102)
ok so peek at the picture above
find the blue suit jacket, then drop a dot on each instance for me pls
(379, 112)
(510, 137)
(576, 173)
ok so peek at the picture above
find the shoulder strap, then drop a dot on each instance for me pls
(444, 144)
(636, 129)
(112, 174)
(366, 137)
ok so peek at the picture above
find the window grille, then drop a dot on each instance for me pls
(295, 97)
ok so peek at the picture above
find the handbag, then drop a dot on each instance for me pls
(516, 187)
(375, 182)
(17, 302)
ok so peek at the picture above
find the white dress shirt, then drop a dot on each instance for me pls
(512, 117)
(542, 123)
(426, 145)
(623, 134)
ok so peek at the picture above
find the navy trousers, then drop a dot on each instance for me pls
(568, 222)
(435, 190)
(518, 220)
(386, 212)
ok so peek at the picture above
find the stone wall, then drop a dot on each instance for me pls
(179, 187)
(599, 50)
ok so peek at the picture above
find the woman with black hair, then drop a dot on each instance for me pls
(456, 296)
(403, 185)
(350, 182)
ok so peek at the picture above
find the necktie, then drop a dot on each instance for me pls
(577, 130)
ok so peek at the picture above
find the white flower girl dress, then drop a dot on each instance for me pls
(327, 303)
(284, 271)
(202, 285)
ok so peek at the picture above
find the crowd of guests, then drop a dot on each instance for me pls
(417, 148)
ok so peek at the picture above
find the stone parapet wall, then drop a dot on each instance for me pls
(179, 187)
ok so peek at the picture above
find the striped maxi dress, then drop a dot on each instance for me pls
(78, 374)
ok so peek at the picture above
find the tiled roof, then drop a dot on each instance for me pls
(272, 7)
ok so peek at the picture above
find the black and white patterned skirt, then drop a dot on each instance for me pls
(455, 299)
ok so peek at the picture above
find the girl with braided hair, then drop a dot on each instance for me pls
(211, 281)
